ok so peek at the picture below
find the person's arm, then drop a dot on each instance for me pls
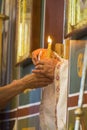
(16, 87)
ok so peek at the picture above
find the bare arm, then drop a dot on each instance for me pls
(18, 86)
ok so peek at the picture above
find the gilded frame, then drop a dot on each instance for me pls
(23, 22)
(27, 29)
(75, 16)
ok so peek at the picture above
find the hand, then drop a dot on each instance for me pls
(46, 67)
(41, 53)
(35, 81)
(35, 55)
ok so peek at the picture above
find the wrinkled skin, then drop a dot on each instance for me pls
(35, 81)
(45, 66)
(29, 81)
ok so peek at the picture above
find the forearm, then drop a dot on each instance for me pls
(9, 91)
(18, 86)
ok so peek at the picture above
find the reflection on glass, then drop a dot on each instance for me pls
(24, 27)
(77, 14)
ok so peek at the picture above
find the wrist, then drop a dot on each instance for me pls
(27, 81)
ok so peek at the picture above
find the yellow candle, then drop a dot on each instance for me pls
(49, 46)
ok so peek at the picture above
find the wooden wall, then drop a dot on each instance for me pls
(54, 18)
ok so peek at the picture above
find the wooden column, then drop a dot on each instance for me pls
(54, 18)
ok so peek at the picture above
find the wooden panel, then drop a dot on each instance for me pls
(54, 20)
(36, 21)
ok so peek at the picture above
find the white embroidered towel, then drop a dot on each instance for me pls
(62, 101)
(47, 108)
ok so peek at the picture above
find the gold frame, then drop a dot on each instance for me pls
(27, 29)
(22, 29)
(75, 16)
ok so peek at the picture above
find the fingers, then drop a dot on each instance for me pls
(43, 83)
(39, 55)
(57, 56)
(43, 79)
(45, 68)
(37, 71)
(46, 63)
(43, 62)
(36, 55)
(35, 60)
(39, 66)
(37, 80)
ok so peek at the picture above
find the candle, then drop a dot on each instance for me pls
(49, 46)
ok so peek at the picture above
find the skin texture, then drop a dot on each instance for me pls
(41, 77)
(35, 55)
(44, 66)
(18, 86)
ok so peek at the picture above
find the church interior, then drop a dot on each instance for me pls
(58, 27)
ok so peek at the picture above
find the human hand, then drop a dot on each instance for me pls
(36, 55)
(41, 54)
(35, 81)
(46, 67)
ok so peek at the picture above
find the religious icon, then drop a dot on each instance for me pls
(75, 15)
(77, 49)
(27, 28)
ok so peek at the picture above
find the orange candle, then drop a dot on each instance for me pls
(49, 46)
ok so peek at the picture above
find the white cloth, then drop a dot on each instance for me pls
(54, 100)
(47, 108)
(62, 98)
